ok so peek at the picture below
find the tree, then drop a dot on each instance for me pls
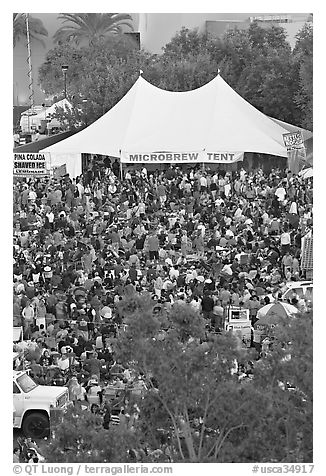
(269, 82)
(36, 28)
(303, 55)
(92, 27)
(196, 398)
(257, 63)
(186, 42)
(100, 75)
(80, 438)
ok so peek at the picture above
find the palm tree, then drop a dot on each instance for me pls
(36, 28)
(90, 26)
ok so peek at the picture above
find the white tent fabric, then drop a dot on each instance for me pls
(17, 334)
(306, 173)
(64, 103)
(35, 120)
(211, 120)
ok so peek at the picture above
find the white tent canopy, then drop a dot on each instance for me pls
(209, 124)
(36, 119)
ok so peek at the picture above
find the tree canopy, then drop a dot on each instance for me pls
(258, 63)
(91, 27)
(199, 402)
(36, 28)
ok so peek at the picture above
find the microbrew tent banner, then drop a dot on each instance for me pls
(176, 157)
(212, 121)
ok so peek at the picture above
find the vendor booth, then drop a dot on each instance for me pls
(149, 125)
(43, 119)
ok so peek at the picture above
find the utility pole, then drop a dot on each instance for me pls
(30, 75)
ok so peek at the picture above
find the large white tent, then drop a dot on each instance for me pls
(209, 124)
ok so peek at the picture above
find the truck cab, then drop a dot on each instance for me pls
(34, 404)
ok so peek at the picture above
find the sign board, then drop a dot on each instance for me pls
(238, 314)
(307, 253)
(243, 328)
(31, 164)
(177, 157)
(293, 140)
(59, 171)
(294, 143)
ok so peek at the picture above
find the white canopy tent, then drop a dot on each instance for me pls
(36, 119)
(209, 124)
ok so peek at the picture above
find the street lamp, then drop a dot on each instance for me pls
(64, 71)
(84, 101)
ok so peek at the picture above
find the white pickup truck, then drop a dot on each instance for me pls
(34, 404)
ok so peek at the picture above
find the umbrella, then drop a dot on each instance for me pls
(274, 312)
(306, 173)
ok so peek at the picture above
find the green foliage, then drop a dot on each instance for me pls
(80, 438)
(36, 28)
(258, 63)
(303, 54)
(100, 75)
(263, 419)
(195, 403)
(92, 27)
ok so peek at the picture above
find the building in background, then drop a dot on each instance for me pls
(157, 29)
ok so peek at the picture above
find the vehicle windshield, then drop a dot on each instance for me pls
(26, 383)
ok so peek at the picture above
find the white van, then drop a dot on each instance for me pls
(298, 289)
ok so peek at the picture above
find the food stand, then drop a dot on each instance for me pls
(238, 321)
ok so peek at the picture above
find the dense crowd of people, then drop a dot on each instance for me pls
(209, 238)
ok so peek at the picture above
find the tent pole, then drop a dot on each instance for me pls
(121, 171)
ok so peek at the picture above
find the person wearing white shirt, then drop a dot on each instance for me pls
(265, 218)
(238, 213)
(203, 184)
(32, 195)
(293, 208)
(228, 221)
(280, 193)
(227, 189)
(285, 242)
(195, 303)
(229, 234)
(63, 362)
(50, 217)
(81, 189)
(218, 202)
(174, 273)
(243, 174)
(202, 229)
